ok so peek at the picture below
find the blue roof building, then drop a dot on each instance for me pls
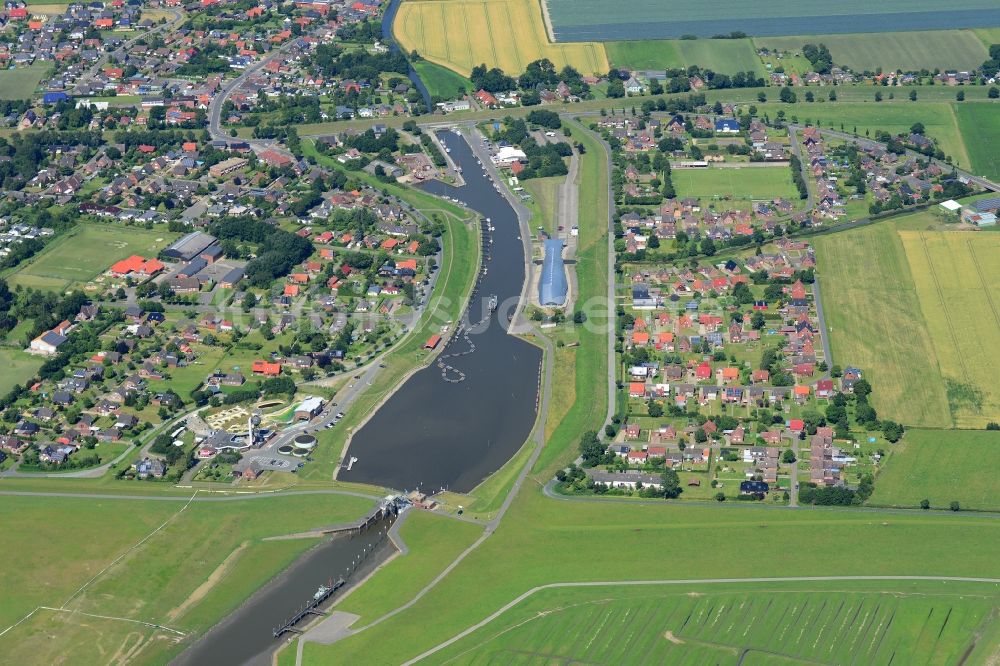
(53, 97)
(552, 287)
(727, 125)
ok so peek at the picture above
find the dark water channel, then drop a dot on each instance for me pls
(246, 636)
(451, 428)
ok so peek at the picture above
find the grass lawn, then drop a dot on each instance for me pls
(869, 298)
(747, 183)
(220, 544)
(441, 81)
(85, 252)
(909, 51)
(432, 541)
(460, 34)
(545, 192)
(727, 56)
(980, 126)
(647, 54)
(18, 367)
(942, 466)
(21, 82)
(543, 541)
(673, 624)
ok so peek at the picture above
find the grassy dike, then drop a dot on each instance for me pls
(457, 272)
(542, 540)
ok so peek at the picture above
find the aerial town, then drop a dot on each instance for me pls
(359, 331)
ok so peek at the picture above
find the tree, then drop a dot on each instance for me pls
(862, 388)
(913, 95)
(591, 449)
(955, 506)
(671, 483)
(993, 92)
(788, 456)
(892, 431)
(917, 128)
(654, 408)
(960, 96)
(878, 96)
(925, 504)
(993, 425)
(787, 95)
(720, 497)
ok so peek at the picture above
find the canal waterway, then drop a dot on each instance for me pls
(246, 636)
(418, 83)
(454, 423)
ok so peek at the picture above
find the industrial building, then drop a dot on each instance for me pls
(194, 244)
(552, 285)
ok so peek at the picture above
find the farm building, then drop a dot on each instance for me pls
(190, 246)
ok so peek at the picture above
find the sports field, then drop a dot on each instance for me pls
(942, 466)
(16, 367)
(508, 34)
(828, 624)
(929, 49)
(84, 253)
(746, 183)
(980, 126)
(957, 282)
(597, 20)
(20, 83)
(875, 320)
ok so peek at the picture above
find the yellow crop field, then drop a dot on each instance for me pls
(958, 285)
(460, 34)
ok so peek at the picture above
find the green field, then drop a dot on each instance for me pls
(727, 56)
(647, 54)
(942, 466)
(746, 183)
(823, 624)
(909, 51)
(21, 82)
(441, 81)
(980, 126)
(206, 560)
(17, 367)
(875, 322)
(85, 252)
(545, 195)
(938, 117)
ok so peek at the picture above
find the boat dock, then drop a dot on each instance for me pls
(311, 608)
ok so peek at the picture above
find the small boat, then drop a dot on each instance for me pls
(321, 592)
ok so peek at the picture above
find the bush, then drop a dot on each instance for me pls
(954, 506)
(925, 504)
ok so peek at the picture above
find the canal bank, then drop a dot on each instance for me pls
(455, 422)
(246, 636)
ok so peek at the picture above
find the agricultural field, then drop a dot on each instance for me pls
(875, 320)
(441, 81)
(596, 20)
(744, 184)
(753, 625)
(930, 49)
(938, 118)
(85, 252)
(957, 283)
(980, 126)
(942, 466)
(21, 82)
(207, 559)
(647, 54)
(460, 34)
(727, 56)
(18, 367)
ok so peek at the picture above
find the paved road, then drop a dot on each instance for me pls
(824, 329)
(688, 582)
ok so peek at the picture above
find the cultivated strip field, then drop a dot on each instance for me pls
(640, 625)
(942, 466)
(957, 280)
(876, 323)
(928, 49)
(508, 34)
(597, 20)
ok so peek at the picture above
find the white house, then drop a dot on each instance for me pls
(508, 155)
